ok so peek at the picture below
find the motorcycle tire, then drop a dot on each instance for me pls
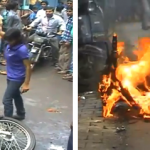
(25, 130)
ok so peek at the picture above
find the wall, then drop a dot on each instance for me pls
(53, 3)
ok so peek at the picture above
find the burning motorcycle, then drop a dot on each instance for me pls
(14, 135)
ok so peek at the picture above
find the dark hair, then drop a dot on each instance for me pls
(12, 34)
(45, 2)
(69, 8)
(69, 1)
(34, 8)
(13, 5)
(59, 8)
(50, 8)
(7, 6)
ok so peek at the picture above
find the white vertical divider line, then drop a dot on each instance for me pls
(75, 74)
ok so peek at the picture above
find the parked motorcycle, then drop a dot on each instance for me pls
(94, 45)
(14, 135)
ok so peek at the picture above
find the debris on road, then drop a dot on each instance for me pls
(120, 129)
(55, 147)
(52, 110)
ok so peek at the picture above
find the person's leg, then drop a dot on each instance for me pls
(61, 57)
(69, 75)
(71, 64)
(55, 49)
(12, 88)
(70, 141)
(19, 105)
(66, 57)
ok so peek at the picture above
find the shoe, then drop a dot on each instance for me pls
(58, 68)
(67, 76)
(62, 72)
(17, 117)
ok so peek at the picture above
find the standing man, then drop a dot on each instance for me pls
(64, 11)
(42, 13)
(65, 50)
(13, 20)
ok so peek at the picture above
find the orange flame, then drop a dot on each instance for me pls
(131, 74)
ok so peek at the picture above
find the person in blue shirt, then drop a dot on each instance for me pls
(32, 16)
(18, 73)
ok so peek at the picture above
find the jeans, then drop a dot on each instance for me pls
(70, 141)
(71, 64)
(13, 93)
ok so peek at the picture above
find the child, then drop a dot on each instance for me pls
(18, 73)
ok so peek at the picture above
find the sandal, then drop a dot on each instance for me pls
(67, 75)
(70, 80)
(3, 72)
(62, 72)
(3, 62)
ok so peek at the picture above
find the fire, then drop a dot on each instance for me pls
(128, 81)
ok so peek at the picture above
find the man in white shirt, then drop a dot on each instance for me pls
(51, 23)
(42, 13)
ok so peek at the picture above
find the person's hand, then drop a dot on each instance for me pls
(28, 28)
(59, 33)
(24, 88)
(61, 42)
(67, 43)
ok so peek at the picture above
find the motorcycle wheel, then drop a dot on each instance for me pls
(21, 138)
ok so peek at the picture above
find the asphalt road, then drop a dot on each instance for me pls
(47, 90)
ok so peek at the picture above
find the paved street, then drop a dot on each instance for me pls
(48, 90)
(98, 133)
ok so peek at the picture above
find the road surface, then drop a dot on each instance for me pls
(98, 133)
(48, 90)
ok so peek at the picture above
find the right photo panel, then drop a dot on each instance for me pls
(113, 74)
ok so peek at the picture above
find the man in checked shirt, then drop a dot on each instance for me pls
(65, 50)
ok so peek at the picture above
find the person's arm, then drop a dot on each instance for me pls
(64, 15)
(28, 71)
(38, 15)
(61, 25)
(10, 21)
(24, 54)
(35, 22)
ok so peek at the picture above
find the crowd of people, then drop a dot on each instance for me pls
(15, 53)
(40, 10)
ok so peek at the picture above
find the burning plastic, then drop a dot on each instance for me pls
(125, 84)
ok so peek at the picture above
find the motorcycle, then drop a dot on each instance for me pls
(41, 48)
(93, 45)
(14, 135)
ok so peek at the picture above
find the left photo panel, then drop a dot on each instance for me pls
(36, 73)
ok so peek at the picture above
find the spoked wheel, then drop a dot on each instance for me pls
(14, 135)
